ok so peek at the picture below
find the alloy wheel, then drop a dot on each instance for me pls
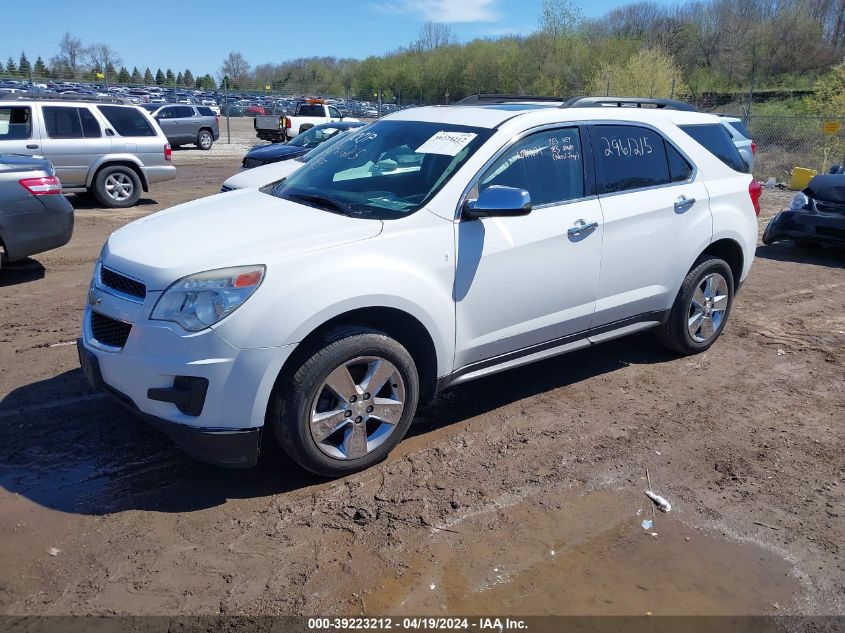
(708, 307)
(119, 187)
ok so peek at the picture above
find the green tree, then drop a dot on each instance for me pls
(159, 77)
(136, 77)
(649, 73)
(24, 66)
(11, 67)
(180, 79)
(829, 97)
(123, 75)
(169, 77)
(39, 69)
(188, 78)
(148, 77)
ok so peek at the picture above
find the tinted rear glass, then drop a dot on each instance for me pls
(629, 157)
(310, 110)
(205, 111)
(739, 126)
(127, 121)
(716, 139)
(62, 122)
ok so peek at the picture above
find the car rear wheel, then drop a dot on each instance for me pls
(117, 187)
(348, 404)
(701, 308)
(205, 140)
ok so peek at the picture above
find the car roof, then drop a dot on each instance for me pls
(493, 116)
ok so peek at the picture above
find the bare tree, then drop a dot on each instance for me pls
(559, 18)
(236, 68)
(70, 54)
(103, 56)
(434, 35)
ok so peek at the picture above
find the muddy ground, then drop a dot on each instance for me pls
(518, 494)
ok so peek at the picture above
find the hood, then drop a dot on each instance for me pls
(276, 151)
(229, 229)
(262, 175)
(827, 188)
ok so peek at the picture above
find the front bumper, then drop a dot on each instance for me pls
(825, 228)
(238, 448)
(210, 397)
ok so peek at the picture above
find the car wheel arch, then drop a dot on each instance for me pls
(98, 167)
(728, 250)
(398, 324)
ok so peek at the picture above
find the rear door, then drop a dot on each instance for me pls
(73, 140)
(19, 130)
(187, 126)
(656, 213)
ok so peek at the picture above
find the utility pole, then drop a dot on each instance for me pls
(227, 104)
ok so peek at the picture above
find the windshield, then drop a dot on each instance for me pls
(322, 147)
(313, 137)
(387, 170)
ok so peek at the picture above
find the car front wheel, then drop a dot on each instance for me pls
(701, 308)
(348, 404)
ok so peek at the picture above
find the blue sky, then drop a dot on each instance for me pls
(199, 34)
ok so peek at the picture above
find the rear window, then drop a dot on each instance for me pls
(205, 111)
(716, 139)
(739, 126)
(310, 110)
(127, 121)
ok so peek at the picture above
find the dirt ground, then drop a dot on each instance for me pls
(521, 493)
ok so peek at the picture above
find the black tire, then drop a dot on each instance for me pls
(290, 412)
(205, 140)
(125, 175)
(674, 333)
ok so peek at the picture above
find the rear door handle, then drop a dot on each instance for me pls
(32, 146)
(581, 226)
(683, 204)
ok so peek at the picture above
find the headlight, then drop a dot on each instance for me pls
(800, 201)
(198, 301)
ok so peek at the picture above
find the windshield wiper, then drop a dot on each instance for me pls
(322, 201)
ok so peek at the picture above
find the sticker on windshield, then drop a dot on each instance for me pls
(446, 143)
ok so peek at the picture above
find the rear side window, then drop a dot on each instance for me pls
(184, 112)
(310, 110)
(629, 157)
(90, 126)
(679, 168)
(127, 121)
(205, 111)
(718, 142)
(548, 165)
(15, 123)
(739, 126)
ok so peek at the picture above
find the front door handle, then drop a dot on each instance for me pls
(683, 204)
(582, 227)
(32, 146)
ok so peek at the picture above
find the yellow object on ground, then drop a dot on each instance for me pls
(800, 178)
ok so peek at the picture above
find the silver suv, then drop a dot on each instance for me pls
(188, 124)
(112, 151)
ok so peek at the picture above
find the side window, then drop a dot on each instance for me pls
(184, 112)
(15, 123)
(205, 111)
(715, 138)
(127, 121)
(548, 165)
(90, 126)
(165, 113)
(62, 122)
(334, 113)
(629, 157)
(679, 169)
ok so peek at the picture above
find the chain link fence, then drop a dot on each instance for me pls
(784, 142)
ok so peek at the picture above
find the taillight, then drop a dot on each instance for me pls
(753, 147)
(755, 190)
(287, 123)
(42, 186)
(167, 151)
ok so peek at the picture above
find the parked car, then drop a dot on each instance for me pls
(184, 124)
(302, 144)
(112, 151)
(816, 215)
(34, 216)
(273, 173)
(741, 138)
(330, 305)
(305, 115)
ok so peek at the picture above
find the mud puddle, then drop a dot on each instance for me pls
(587, 556)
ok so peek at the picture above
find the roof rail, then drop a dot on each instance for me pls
(502, 98)
(628, 102)
(37, 96)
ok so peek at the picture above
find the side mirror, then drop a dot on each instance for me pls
(499, 201)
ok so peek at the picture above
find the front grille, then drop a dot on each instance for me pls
(838, 234)
(109, 331)
(225, 188)
(122, 284)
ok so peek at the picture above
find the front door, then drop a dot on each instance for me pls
(530, 281)
(19, 131)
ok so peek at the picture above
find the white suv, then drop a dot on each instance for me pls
(432, 247)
